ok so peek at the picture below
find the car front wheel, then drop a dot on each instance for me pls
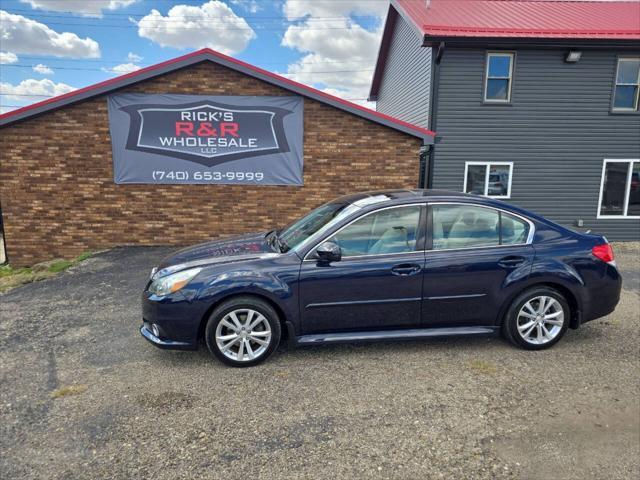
(537, 319)
(243, 331)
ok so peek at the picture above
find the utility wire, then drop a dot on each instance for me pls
(129, 15)
(199, 27)
(60, 59)
(35, 10)
(102, 70)
(51, 96)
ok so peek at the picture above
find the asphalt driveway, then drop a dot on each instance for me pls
(446, 408)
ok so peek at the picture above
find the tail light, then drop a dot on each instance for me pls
(604, 252)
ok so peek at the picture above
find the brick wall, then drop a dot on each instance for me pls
(58, 197)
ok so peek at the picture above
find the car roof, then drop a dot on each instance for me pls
(400, 196)
(383, 198)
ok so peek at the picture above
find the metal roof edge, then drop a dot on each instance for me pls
(530, 42)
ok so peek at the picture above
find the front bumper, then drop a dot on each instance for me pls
(164, 344)
(177, 319)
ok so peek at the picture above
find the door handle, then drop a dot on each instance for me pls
(511, 261)
(406, 269)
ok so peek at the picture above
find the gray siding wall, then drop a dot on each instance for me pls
(557, 132)
(405, 87)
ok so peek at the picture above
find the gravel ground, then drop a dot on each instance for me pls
(447, 408)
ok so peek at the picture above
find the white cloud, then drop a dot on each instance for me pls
(42, 69)
(8, 57)
(338, 45)
(345, 95)
(123, 68)
(6, 109)
(250, 6)
(295, 9)
(213, 25)
(133, 57)
(31, 89)
(23, 35)
(333, 39)
(89, 8)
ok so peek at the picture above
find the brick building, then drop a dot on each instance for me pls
(59, 198)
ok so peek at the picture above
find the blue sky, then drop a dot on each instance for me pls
(49, 47)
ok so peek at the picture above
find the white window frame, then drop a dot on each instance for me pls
(512, 56)
(615, 87)
(627, 188)
(486, 177)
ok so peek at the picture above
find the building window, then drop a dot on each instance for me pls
(491, 179)
(625, 97)
(620, 189)
(498, 77)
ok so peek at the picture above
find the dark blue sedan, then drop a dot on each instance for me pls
(402, 264)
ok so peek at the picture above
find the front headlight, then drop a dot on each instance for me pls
(172, 283)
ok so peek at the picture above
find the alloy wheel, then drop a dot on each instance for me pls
(243, 335)
(540, 320)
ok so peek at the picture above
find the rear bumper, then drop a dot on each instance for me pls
(603, 299)
(162, 343)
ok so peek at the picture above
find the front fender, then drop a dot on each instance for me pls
(277, 285)
(246, 281)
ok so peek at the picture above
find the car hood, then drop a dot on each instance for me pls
(244, 247)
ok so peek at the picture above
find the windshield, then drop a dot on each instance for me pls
(321, 218)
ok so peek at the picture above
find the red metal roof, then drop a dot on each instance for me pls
(505, 20)
(206, 54)
(619, 20)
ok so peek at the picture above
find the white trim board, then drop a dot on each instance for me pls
(631, 162)
(486, 178)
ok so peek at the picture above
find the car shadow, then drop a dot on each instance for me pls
(376, 349)
(200, 357)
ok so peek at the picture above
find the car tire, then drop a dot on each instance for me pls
(537, 318)
(243, 331)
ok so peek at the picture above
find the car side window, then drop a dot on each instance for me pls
(513, 229)
(464, 226)
(392, 230)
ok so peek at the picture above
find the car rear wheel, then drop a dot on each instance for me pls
(537, 319)
(243, 331)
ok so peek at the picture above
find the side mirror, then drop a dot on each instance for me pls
(328, 252)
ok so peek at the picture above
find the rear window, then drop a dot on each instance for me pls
(468, 226)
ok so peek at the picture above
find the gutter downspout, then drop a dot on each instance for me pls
(433, 106)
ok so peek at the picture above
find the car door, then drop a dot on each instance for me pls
(377, 284)
(471, 250)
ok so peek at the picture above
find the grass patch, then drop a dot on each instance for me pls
(484, 367)
(8, 270)
(83, 256)
(68, 390)
(60, 266)
(11, 277)
(21, 277)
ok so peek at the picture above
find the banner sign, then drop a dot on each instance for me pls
(206, 139)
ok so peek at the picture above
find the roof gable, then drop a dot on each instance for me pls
(204, 55)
